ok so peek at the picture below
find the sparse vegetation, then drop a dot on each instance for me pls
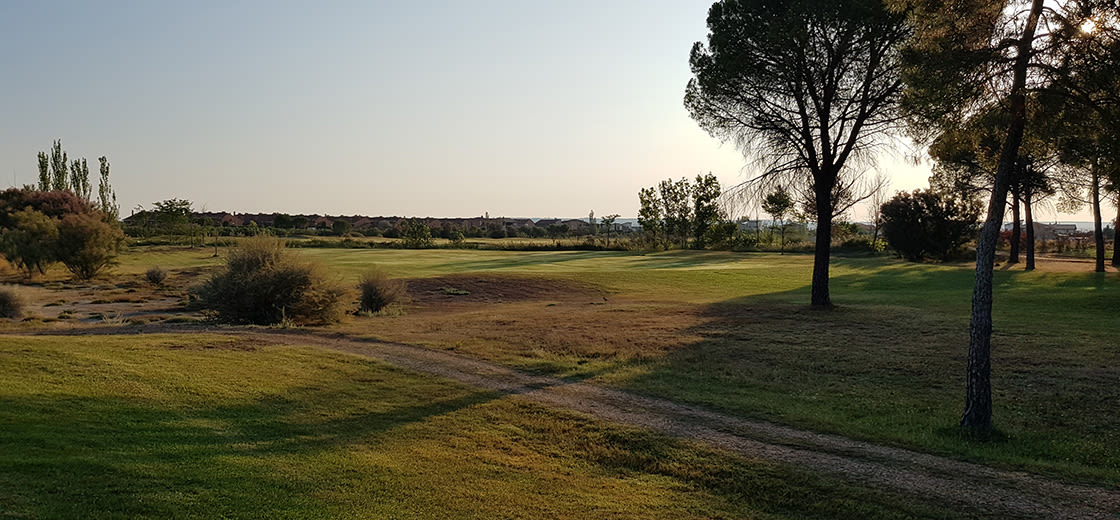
(378, 291)
(264, 283)
(11, 304)
(155, 276)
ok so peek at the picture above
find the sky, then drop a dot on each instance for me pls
(443, 109)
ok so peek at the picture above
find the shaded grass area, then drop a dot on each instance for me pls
(734, 333)
(172, 426)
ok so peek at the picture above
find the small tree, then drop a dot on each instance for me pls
(649, 214)
(87, 244)
(79, 179)
(677, 208)
(929, 224)
(608, 226)
(340, 227)
(706, 211)
(106, 196)
(778, 204)
(59, 161)
(31, 243)
(415, 234)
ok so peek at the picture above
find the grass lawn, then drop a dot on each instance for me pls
(203, 426)
(733, 332)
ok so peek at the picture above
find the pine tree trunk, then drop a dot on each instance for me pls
(1098, 231)
(1030, 233)
(1116, 235)
(977, 414)
(1016, 229)
(820, 297)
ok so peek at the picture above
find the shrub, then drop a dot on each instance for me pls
(266, 284)
(87, 244)
(11, 305)
(379, 291)
(31, 241)
(929, 224)
(155, 275)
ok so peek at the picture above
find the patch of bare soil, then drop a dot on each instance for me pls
(496, 289)
(117, 300)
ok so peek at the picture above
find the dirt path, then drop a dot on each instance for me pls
(969, 487)
(964, 486)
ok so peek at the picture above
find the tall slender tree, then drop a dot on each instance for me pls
(964, 55)
(106, 196)
(804, 88)
(59, 163)
(44, 172)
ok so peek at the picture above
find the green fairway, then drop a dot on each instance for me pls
(205, 426)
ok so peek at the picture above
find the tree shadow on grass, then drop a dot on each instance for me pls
(888, 365)
(103, 456)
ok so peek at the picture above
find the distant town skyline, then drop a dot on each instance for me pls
(441, 109)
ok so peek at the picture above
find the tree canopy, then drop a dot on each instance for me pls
(804, 88)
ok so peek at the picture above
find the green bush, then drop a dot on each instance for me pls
(379, 291)
(87, 244)
(929, 223)
(31, 241)
(155, 275)
(265, 284)
(11, 305)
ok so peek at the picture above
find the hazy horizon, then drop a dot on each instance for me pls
(445, 108)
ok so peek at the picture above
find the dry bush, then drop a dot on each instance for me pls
(155, 275)
(379, 291)
(11, 305)
(264, 283)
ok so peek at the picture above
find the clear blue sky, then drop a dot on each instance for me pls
(441, 108)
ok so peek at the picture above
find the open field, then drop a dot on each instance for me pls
(208, 426)
(728, 332)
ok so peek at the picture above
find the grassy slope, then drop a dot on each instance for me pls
(888, 366)
(172, 426)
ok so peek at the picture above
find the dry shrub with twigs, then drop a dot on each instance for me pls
(155, 275)
(266, 284)
(379, 291)
(11, 305)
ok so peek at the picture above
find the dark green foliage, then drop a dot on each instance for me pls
(43, 227)
(30, 240)
(11, 305)
(676, 208)
(79, 179)
(87, 244)
(106, 196)
(649, 215)
(155, 275)
(705, 207)
(44, 172)
(378, 291)
(266, 284)
(416, 235)
(340, 227)
(929, 224)
(59, 161)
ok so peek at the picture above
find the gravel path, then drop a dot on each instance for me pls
(964, 486)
